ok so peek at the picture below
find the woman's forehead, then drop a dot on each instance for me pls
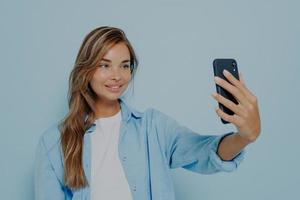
(118, 52)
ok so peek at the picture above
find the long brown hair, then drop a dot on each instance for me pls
(81, 99)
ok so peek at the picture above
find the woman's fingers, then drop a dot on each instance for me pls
(240, 97)
(234, 119)
(237, 109)
(246, 113)
(240, 84)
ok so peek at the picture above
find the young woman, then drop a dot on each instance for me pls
(105, 149)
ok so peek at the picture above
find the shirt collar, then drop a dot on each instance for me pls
(126, 112)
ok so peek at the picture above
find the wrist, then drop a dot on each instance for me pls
(243, 139)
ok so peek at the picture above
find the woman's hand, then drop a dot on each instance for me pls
(246, 113)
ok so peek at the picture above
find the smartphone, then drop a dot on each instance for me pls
(230, 65)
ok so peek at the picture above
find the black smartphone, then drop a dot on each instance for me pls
(230, 65)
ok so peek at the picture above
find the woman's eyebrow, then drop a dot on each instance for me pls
(107, 60)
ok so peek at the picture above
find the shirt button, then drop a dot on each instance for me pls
(124, 158)
(134, 188)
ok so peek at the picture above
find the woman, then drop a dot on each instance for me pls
(105, 149)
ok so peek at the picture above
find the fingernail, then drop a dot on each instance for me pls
(225, 72)
(216, 78)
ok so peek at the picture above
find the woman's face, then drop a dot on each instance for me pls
(112, 76)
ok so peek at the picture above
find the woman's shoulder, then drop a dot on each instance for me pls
(51, 136)
(150, 113)
(157, 116)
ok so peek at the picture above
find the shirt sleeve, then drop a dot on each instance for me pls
(46, 183)
(190, 150)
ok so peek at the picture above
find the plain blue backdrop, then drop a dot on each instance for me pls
(176, 42)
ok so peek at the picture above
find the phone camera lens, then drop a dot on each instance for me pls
(233, 64)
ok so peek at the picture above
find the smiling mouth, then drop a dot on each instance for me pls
(116, 88)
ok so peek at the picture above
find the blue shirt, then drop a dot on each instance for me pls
(150, 144)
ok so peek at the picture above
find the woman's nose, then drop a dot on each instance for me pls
(116, 73)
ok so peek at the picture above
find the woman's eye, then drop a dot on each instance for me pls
(126, 66)
(103, 65)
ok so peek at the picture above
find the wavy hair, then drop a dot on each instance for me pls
(82, 99)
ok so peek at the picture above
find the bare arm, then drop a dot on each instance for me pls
(231, 146)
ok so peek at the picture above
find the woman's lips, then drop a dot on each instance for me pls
(114, 88)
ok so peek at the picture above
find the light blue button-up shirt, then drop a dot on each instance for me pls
(150, 144)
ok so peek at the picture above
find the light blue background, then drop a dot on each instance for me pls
(176, 42)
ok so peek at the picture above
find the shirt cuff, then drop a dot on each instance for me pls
(224, 165)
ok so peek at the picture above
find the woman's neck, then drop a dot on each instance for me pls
(107, 109)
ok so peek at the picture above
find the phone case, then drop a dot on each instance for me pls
(230, 65)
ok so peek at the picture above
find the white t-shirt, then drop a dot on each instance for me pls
(108, 180)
